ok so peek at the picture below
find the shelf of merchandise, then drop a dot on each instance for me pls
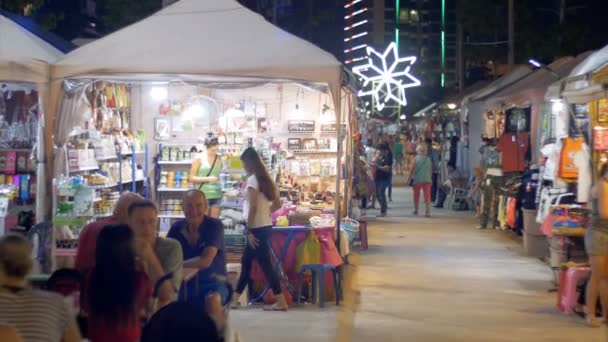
(84, 169)
(122, 184)
(313, 151)
(174, 162)
(167, 189)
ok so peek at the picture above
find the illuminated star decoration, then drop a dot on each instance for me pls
(385, 78)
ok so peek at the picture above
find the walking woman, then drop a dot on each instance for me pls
(117, 293)
(261, 200)
(596, 245)
(422, 179)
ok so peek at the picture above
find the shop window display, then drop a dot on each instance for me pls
(19, 118)
(178, 119)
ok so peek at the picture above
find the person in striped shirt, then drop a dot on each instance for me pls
(38, 316)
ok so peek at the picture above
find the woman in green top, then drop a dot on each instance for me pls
(205, 175)
(422, 179)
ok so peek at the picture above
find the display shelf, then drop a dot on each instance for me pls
(313, 151)
(174, 162)
(172, 216)
(123, 154)
(167, 189)
(136, 180)
(84, 169)
(101, 186)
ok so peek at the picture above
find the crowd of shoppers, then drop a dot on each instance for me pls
(122, 260)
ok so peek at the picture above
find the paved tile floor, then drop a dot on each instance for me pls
(435, 279)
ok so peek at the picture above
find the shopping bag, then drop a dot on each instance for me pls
(309, 251)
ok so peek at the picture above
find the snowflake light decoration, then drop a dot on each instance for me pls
(386, 80)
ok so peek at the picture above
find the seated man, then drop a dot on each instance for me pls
(158, 255)
(85, 256)
(202, 240)
(453, 176)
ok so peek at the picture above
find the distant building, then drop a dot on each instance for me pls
(422, 28)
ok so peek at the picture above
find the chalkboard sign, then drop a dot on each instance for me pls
(298, 126)
(294, 143)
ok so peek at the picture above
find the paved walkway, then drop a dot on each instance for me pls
(435, 279)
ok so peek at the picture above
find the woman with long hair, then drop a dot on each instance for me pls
(262, 199)
(117, 292)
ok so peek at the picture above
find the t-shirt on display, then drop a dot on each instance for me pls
(513, 148)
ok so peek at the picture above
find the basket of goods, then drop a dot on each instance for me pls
(570, 221)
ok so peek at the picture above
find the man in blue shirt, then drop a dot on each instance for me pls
(202, 240)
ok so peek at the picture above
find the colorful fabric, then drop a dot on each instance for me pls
(567, 166)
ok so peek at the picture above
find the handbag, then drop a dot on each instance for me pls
(209, 173)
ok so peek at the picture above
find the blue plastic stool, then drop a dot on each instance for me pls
(318, 282)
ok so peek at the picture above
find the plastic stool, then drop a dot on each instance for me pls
(569, 279)
(318, 282)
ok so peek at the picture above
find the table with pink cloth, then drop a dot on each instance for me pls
(285, 241)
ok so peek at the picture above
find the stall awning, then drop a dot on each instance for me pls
(532, 88)
(211, 37)
(579, 86)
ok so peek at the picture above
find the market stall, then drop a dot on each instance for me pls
(248, 84)
(24, 78)
(574, 156)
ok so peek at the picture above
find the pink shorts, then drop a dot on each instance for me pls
(426, 187)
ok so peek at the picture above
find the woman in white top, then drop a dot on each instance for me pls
(37, 315)
(262, 199)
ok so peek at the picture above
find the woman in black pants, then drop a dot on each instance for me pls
(262, 199)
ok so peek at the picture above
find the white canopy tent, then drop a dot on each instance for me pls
(210, 42)
(25, 58)
(578, 87)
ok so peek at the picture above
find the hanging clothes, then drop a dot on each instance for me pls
(500, 123)
(567, 167)
(489, 124)
(511, 212)
(583, 164)
(514, 148)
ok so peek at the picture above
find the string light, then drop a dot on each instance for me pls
(348, 39)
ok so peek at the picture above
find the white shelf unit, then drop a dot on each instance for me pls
(175, 162)
(167, 189)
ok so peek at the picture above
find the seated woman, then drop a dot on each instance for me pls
(116, 291)
(36, 315)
